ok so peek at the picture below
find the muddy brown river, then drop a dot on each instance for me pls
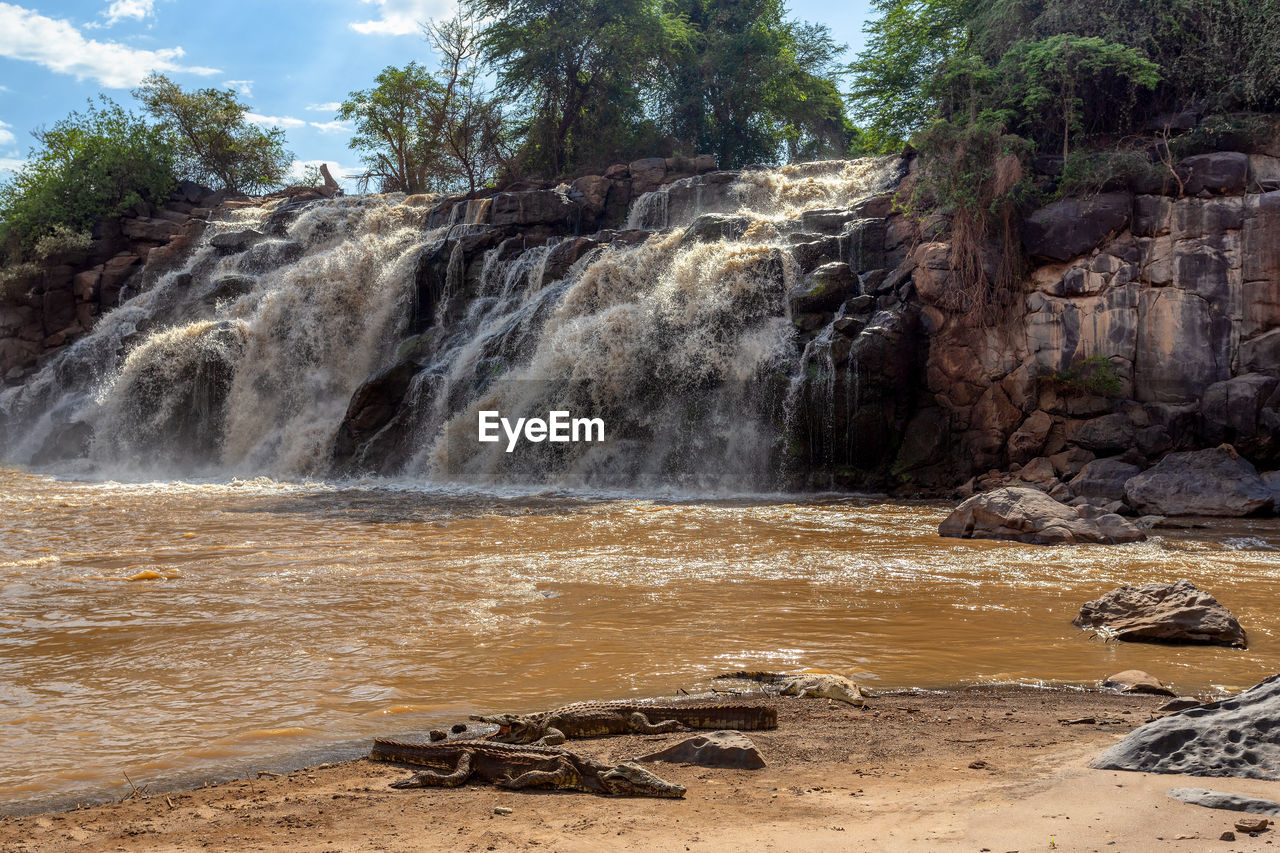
(174, 632)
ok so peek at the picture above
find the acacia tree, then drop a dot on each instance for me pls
(469, 117)
(396, 130)
(214, 141)
(576, 72)
(752, 84)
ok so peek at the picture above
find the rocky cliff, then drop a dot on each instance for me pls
(757, 329)
(1151, 323)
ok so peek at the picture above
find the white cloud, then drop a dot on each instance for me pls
(330, 107)
(136, 9)
(59, 46)
(274, 121)
(402, 17)
(332, 126)
(11, 164)
(6, 135)
(244, 87)
(291, 122)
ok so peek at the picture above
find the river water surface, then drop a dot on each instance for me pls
(174, 631)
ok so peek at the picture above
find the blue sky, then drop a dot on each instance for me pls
(291, 60)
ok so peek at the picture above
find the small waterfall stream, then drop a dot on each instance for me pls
(253, 357)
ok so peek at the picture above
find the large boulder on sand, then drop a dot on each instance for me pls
(716, 749)
(1024, 514)
(1237, 737)
(1162, 613)
(1216, 481)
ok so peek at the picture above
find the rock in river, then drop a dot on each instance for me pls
(1238, 737)
(1029, 515)
(1137, 681)
(1162, 613)
(1216, 481)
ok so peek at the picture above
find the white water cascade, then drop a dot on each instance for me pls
(244, 362)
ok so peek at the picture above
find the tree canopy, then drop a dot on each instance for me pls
(97, 162)
(214, 141)
(583, 84)
(419, 130)
(1051, 69)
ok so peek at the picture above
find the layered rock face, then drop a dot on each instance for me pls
(64, 299)
(1149, 324)
(795, 315)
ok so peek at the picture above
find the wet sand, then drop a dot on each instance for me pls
(980, 769)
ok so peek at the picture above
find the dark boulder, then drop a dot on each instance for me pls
(1217, 172)
(1162, 613)
(1071, 227)
(229, 287)
(373, 406)
(564, 255)
(1108, 433)
(235, 241)
(1103, 479)
(824, 289)
(711, 227)
(1217, 481)
(1238, 737)
(534, 207)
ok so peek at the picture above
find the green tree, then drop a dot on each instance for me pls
(395, 130)
(469, 118)
(91, 164)
(752, 86)
(577, 72)
(1053, 85)
(893, 92)
(215, 142)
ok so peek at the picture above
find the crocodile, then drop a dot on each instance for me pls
(518, 768)
(808, 685)
(598, 719)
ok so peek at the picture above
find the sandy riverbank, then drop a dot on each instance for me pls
(970, 769)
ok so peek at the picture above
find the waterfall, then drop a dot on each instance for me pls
(240, 362)
(365, 334)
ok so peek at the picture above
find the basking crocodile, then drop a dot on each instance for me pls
(597, 719)
(808, 685)
(519, 767)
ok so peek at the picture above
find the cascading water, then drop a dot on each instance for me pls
(676, 333)
(240, 362)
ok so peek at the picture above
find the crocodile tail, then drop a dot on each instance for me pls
(405, 753)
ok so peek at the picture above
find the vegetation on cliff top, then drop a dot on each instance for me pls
(105, 160)
(1117, 89)
(582, 84)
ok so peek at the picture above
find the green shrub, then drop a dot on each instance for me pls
(1092, 376)
(1090, 172)
(62, 240)
(91, 164)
